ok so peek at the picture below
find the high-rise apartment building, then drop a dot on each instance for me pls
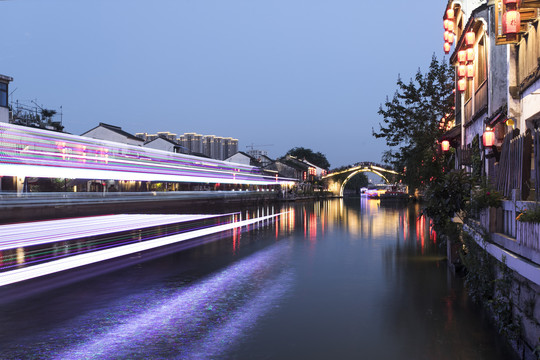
(215, 147)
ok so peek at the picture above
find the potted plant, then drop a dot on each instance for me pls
(528, 227)
(484, 202)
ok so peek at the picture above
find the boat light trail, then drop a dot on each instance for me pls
(32, 152)
(31, 272)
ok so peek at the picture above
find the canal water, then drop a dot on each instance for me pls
(336, 279)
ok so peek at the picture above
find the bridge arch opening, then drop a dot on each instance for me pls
(352, 174)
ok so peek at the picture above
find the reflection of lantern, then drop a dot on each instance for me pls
(489, 137)
(462, 84)
(510, 22)
(470, 54)
(470, 70)
(462, 70)
(445, 145)
(450, 13)
(446, 48)
(469, 38)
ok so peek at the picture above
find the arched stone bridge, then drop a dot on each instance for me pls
(336, 181)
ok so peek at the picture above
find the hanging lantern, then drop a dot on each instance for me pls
(510, 22)
(445, 145)
(469, 38)
(462, 56)
(489, 137)
(450, 37)
(470, 54)
(510, 122)
(462, 70)
(470, 71)
(446, 48)
(445, 24)
(451, 26)
(446, 36)
(462, 85)
(450, 14)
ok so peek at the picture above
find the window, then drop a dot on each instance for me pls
(481, 70)
(3, 95)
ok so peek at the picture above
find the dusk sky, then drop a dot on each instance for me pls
(289, 73)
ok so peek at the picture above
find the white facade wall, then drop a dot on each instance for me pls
(161, 144)
(109, 135)
(4, 114)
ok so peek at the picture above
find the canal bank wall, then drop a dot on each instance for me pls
(508, 285)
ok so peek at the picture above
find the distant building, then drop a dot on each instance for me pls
(113, 133)
(192, 142)
(214, 147)
(4, 92)
(230, 147)
(161, 143)
(243, 158)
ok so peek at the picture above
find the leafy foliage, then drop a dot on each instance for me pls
(316, 158)
(530, 215)
(446, 197)
(411, 123)
(484, 197)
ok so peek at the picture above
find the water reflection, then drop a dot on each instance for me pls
(339, 279)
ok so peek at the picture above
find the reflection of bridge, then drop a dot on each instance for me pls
(336, 181)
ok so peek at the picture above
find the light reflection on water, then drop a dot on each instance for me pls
(332, 279)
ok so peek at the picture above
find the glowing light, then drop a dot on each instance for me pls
(450, 14)
(470, 71)
(470, 54)
(445, 145)
(488, 137)
(32, 152)
(511, 22)
(461, 70)
(462, 56)
(462, 84)
(51, 267)
(470, 38)
(446, 48)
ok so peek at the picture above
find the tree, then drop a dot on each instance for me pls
(316, 158)
(411, 123)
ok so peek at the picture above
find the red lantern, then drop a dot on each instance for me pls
(450, 37)
(450, 14)
(446, 36)
(462, 70)
(445, 24)
(489, 137)
(462, 84)
(506, 2)
(462, 56)
(469, 38)
(470, 71)
(470, 54)
(445, 145)
(446, 48)
(450, 26)
(511, 21)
